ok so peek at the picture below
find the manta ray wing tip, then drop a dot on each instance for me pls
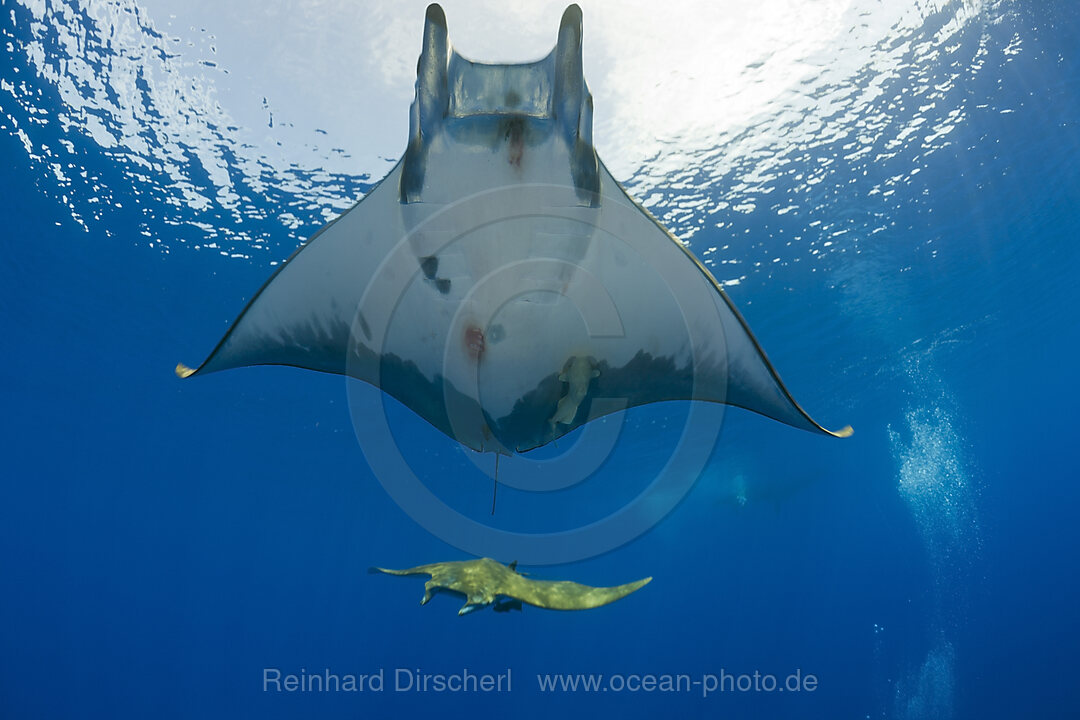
(846, 431)
(183, 371)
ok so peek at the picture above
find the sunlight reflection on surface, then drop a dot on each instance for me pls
(707, 111)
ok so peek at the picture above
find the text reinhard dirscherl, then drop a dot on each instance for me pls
(401, 680)
(416, 680)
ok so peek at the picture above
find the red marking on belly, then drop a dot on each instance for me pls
(474, 342)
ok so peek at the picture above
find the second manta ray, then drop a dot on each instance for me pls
(499, 281)
(486, 582)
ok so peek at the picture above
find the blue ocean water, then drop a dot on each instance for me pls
(894, 212)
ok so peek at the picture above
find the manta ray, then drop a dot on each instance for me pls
(485, 582)
(499, 280)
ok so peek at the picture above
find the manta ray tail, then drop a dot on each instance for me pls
(495, 489)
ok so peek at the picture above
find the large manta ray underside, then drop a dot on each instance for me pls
(499, 280)
(486, 582)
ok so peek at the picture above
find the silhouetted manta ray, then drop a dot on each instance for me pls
(484, 581)
(499, 280)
